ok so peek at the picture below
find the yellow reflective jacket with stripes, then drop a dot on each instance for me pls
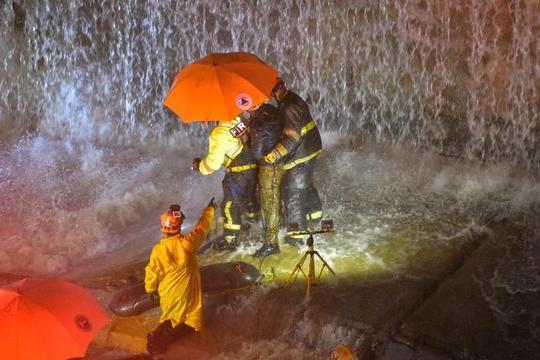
(224, 149)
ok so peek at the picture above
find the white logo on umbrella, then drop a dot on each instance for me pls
(243, 101)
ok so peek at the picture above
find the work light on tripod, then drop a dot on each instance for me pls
(292, 229)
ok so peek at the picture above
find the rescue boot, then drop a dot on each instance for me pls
(226, 243)
(252, 217)
(151, 343)
(266, 250)
(159, 339)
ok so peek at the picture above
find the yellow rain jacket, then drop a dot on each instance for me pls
(222, 148)
(173, 271)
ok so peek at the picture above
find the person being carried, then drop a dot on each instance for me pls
(173, 274)
(240, 181)
(299, 146)
(265, 124)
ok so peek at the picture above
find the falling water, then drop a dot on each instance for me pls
(460, 77)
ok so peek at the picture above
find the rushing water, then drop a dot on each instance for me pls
(89, 156)
(82, 125)
(420, 71)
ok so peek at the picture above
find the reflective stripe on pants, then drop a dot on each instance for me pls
(301, 197)
(239, 196)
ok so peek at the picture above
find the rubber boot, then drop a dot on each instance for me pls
(226, 243)
(159, 339)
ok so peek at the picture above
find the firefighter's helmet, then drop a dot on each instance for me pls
(171, 220)
(344, 352)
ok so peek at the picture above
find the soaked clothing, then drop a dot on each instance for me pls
(303, 202)
(265, 130)
(299, 146)
(239, 198)
(240, 181)
(173, 272)
(270, 179)
(300, 140)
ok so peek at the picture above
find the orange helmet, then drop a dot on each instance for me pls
(344, 352)
(171, 220)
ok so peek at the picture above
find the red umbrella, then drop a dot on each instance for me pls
(47, 319)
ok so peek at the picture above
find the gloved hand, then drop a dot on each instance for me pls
(154, 296)
(212, 204)
(195, 164)
(271, 157)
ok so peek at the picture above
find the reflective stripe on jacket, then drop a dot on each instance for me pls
(223, 148)
(173, 271)
(300, 140)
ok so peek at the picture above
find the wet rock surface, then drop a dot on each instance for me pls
(490, 307)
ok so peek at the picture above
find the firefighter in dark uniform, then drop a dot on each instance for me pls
(297, 150)
(239, 183)
(265, 127)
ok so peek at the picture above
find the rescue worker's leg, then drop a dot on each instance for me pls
(159, 340)
(251, 202)
(231, 210)
(270, 178)
(312, 202)
(302, 200)
(182, 330)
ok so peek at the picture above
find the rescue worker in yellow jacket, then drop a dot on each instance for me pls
(297, 150)
(173, 274)
(226, 146)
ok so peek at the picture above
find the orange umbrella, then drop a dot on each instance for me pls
(218, 87)
(47, 319)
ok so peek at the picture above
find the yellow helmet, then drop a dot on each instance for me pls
(171, 220)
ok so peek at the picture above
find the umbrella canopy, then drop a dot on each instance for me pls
(218, 87)
(47, 319)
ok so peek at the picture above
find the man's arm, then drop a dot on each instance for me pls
(291, 135)
(193, 240)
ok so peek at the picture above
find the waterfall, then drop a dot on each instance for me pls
(461, 77)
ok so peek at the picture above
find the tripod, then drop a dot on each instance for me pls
(311, 252)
